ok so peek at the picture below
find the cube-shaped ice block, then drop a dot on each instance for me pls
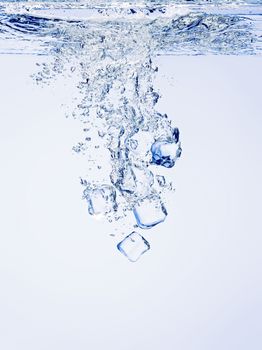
(150, 212)
(165, 153)
(133, 246)
(101, 200)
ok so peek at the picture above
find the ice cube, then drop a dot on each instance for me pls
(101, 200)
(150, 212)
(144, 181)
(133, 246)
(165, 153)
(125, 180)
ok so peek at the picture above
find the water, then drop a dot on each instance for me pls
(107, 52)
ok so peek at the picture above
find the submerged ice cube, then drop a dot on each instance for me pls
(165, 153)
(144, 181)
(133, 246)
(101, 200)
(150, 212)
(126, 181)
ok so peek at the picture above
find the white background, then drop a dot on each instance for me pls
(63, 284)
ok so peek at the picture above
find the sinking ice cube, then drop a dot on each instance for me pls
(133, 246)
(165, 153)
(144, 181)
(126, 181)
(101, 200)
(150, 212)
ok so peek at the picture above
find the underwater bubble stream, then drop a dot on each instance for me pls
(107, 50)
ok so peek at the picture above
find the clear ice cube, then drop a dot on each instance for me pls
(144, 181)
(133, 246)
(165, 153)
(150, 212)
(126, 181)
(101, 200)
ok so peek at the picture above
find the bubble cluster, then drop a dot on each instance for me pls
(118, 109)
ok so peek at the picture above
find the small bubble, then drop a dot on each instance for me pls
(161, 180)
(80, 147)
(83, 182)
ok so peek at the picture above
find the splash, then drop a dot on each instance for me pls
(108, 52)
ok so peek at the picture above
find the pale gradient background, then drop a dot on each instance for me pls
(63, 285)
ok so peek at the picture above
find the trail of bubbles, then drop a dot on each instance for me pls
(118, 110)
